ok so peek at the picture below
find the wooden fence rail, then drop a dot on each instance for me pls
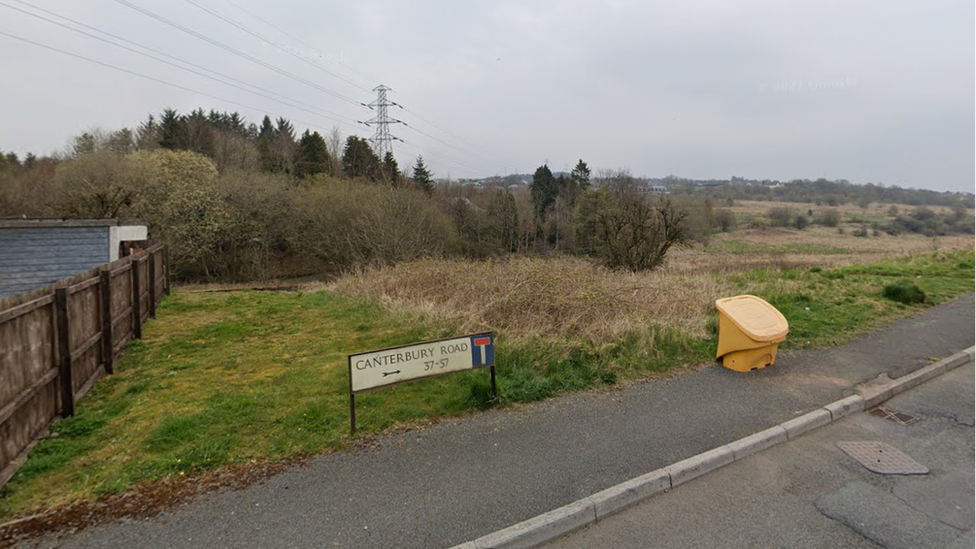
(56, 341)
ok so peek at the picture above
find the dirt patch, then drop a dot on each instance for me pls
(144, 501)
(151, 499)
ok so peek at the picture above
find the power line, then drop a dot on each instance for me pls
(455, 136)
(436, 156)
(328, 114)
(154, 79)
(257, 35)
(439, 140)
(271, 67)
(412, 112)
(300, 41)
(212, 96)
(239, 53)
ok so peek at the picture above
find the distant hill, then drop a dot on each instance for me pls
(821, 191)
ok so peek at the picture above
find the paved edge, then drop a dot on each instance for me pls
(581, 513)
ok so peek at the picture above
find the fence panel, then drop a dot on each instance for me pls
(30, 393)
(31, 360)
(122, 306)
(144, 283)
(85, 329)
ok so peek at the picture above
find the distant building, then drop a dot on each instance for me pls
(650, 188)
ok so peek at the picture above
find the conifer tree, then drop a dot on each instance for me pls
(313, 155)
(83, 144)
(199, 136)
(12, 160)
(544, 189)
(284, 147)
(171, 130)
(266, 136)
(147, 135)
(391, 170)
(359, 160)
(423, 177)
(581, 175)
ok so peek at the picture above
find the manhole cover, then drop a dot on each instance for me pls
(893, 415)
(882, 458)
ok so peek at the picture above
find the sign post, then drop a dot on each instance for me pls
(385, 367)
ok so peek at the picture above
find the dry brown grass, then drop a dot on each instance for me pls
(572, 297)
(698, 262)
(875, 209)
(823, 247)
(531, 296)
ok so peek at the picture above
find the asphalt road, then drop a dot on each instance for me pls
(468, 477)
(808, 493)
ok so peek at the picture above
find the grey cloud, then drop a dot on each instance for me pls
(871, 91)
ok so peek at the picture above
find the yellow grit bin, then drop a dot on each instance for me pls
(749, 332)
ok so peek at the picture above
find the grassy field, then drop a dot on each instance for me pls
(232, 377)
(750, 210)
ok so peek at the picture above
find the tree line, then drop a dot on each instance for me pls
(238, 200)
(822, 192)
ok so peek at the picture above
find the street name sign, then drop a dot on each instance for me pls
(376, 369)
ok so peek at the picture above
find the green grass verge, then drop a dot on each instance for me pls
(745, 247)
(223, 378)
(828, 307)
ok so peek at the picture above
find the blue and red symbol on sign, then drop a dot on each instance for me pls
(482, 350)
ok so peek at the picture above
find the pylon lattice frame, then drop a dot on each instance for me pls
(382, 140)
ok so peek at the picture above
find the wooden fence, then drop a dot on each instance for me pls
(56, 341)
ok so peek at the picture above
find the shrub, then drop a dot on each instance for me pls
(906, 292)
(923, 214)
(801, 222)
(909, 224)
(350, 223)
(830, 218)
(725, 220)
(935, 227)
(780, 216)
(95, 186)
(260, 231)
(699, 222)
(180, 200)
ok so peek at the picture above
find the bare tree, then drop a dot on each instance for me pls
(619, 181)
(334, 143)
(639, 234)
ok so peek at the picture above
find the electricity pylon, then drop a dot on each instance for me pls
(382, 140)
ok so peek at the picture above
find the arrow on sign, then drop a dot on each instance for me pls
(391, 373)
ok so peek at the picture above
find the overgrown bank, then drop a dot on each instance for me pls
(225, 378)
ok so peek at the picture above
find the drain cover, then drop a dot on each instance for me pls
(882, 458)
(893, 415)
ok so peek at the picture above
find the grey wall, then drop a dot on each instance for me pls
(37, 256)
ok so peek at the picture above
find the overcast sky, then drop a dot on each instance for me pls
(879, 91)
